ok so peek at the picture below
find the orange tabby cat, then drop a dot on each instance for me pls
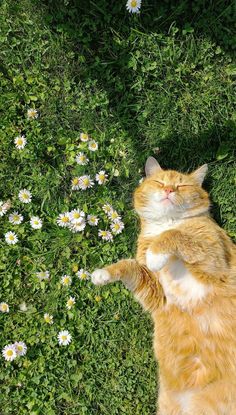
(185, 275)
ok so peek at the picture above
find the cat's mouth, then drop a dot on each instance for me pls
(166, 200)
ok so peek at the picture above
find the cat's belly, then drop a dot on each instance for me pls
(181, 287)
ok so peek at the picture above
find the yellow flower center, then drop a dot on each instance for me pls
(19, 141)
(76, 215)
(10, 353)
(4, 307)
(64, 338)
(11, 237)
(66, 280)
(84, 136)
(83, 276)
(86, 181)
(19, 347)
(65, 219)
(117, 226)
(25, 196)
(133, 3)
(70, 302)
(36, 222)
(16, 217)
(75, 181)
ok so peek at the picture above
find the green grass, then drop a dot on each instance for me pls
(162, 84)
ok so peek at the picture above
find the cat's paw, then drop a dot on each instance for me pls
(100, 277)
(155, 262)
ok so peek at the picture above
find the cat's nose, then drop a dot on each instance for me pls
(169, 190)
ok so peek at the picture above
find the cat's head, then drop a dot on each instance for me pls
(168, 194)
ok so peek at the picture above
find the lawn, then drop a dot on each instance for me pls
(158, 83)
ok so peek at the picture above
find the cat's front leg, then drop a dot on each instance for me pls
(173, 243)
(136, 277)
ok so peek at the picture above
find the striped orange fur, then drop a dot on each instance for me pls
(184, 274)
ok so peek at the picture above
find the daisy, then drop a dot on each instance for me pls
(82, 274)
(32, 113)
(64, 338)
(9, 352)
(15, 218)
(107, 208)
(20, 142)
(85, 182)
(36, 222)
(70, 303)
(63, 219)
(3, 208)
(117, 227)
(114, 215)
(93, 220)
(101, 177)
(84, 137)
(76, 215)
(77, 226)
(4, 307)
(48, 318)
(20, 348)
(11, 238)
(133, 6)
(43, 275)
(75, 183)
(93, 145)
(23, 306)
(66, 280)
(105, 235)
(81, 159)
(25, 196)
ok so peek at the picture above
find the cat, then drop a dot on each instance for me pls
(184, 274)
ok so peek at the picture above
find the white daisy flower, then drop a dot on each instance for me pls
(43, 275)
(36, 222)
(93, 145)
(4, 307)
(107, 208)
(85, 182)
(20, 348)
(114, 215)
(105, 235)
(63, 219)
(84, 137)
(77, 226)
(82, 274)
(64, 338)
(75, 183)
(93, 220)
(70, 303)
(48, 318)
(11, 238)
(25, 196)
(76, 216)
(15, 218)
(9, 352)
(20, 142)
(133, 6)
(101, 177)
(23, 306)
(81, 159)
(66, 280)
(117, 227)
(32, 114)
(3, 208)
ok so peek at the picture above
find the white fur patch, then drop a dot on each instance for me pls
(100, 277)
(180, 286)
(155, 228)
(184, 400)
(155, 262)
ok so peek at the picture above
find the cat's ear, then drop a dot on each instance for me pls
(199, 174)
(152, 166)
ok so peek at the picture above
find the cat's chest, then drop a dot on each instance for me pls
(180, 286)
